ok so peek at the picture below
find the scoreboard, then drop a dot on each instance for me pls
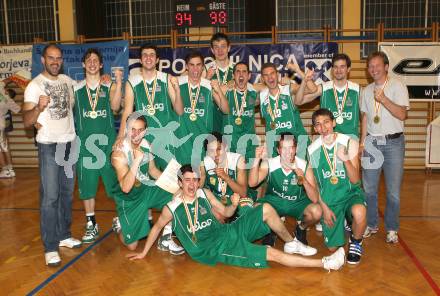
(200, 13)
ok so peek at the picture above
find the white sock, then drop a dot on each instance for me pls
(167, 229)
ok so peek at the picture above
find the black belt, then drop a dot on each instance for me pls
(392, 136)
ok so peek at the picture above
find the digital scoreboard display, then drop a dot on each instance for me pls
(200, 13)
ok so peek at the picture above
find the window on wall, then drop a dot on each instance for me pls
(307, 15)
(398, 14)
(26, 20)
(155, 17)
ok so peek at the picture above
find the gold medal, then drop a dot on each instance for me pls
(334, 180)
(224, 199)
(273, 125)
(193, 117)
(339, 120)
(238, 121)
(151, 111)
(300, 181)
(93, 114)
(137, 183)
(376, 119)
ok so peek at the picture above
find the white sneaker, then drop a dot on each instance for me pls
(166, 243)
(392, 237)
(11, 173)
(318, 227)
(298, 247)
(369, 231)
(52, 258)
(5, 174)
(335, 261)
(71, 243)
(116, 225)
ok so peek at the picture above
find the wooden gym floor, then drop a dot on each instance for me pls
(412, 267)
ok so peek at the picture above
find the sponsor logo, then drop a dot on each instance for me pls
(328, 174)
(200, 225)
(199, 112)
(157, 106)
(285, 196)
(345, 115)
(99, 113)
(416, 67)
(287, 124)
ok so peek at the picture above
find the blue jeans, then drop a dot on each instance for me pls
(56, 193)
(387, 155)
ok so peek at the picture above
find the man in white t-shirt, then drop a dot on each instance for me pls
(384, 107)
(48, 101)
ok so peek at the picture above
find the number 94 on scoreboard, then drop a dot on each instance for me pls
(200, 13)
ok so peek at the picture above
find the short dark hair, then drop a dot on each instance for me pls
(51, 45)
(379, 54)
(322, 112)
(268, 65)
(11, 93)
(148, 46)
(341, 56)
(214, 136)
(194, 54)
(139, 117)
(184, 169)
(286, 136)
(240, 63)
(219, 36)
(91, 51)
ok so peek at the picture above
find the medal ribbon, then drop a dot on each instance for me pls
(153, 93)
(217, 72)
(335, 93)
(273, 112)
(377, 104)
(222, 183)
(196, 97)
(327, 157)
(188, 214)
(240, 110)
(93, 103)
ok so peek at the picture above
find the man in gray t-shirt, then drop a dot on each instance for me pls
(384, 108)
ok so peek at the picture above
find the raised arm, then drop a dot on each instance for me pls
(302, 97)
(226, 211)
(350, 158)
(258, 172)
(309, 183)
(126, 175)
(174, 93)
(239, 186)
(116, 92)
(219, 97)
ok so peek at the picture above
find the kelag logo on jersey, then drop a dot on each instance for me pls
(321, 67)
(345, 115)
(99, 113)
(199, 112)
(247, 113)
(200, 226)
(157, 106)
(286, 124)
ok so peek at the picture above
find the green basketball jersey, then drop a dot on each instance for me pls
(212, 181)
(350, 112)
(246, 129)
(85, 124)
(164, 112)
(222, 72)
(331, 194)
(203, 122)
(223, 75)
(284, 184)
(287, 117)
(209, 232)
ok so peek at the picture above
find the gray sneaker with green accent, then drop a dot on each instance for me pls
(92, 233)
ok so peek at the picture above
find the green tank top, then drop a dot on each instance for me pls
(284, 184)
(331, 194)
(97, 121)
(209, 232)
(163, 108)
(212, 182)
(350, 111)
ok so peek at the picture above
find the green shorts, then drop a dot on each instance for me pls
(239, 249)
(286, 207)
(133, 209)
(335, 236)
(88, 178)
